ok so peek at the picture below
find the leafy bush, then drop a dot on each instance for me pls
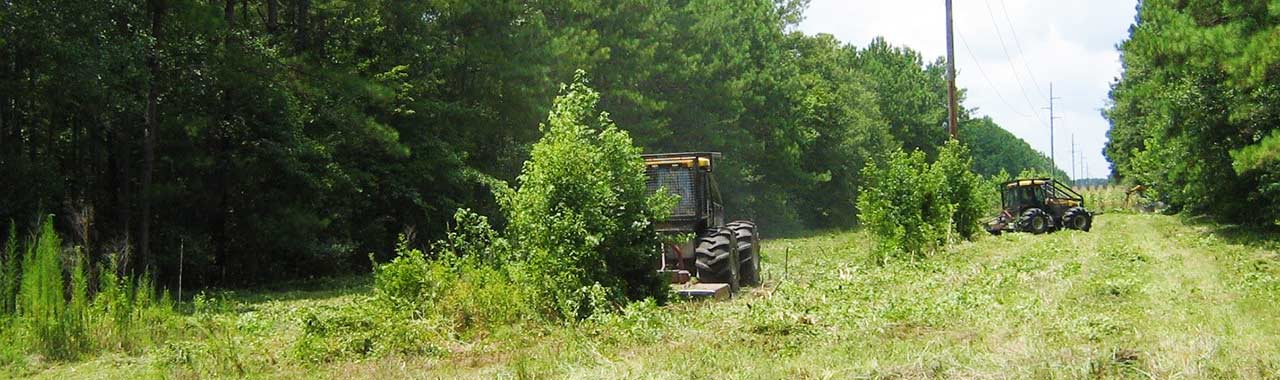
(465, 283)
(992, 192)
(410, 281)
(421, 301)
(915, 207)
(903, 204)
(970, 196)
(581, 217)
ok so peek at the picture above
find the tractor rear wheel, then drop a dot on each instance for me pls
(1034, 220)
(748, 252)
(1078, 219)
(717, 259)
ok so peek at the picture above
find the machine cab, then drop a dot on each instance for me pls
(688, 176)
(1019, 195)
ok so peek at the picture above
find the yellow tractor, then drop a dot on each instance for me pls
(698, 243)
(1039, 205)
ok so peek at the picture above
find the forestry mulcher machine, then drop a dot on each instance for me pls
(697, 242)
(1039, 205)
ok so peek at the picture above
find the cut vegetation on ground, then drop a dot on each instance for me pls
(1143, 296)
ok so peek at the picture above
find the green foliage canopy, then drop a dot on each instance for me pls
(1193, 115)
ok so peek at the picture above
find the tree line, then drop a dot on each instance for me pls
(1195, 115)
(250, 140)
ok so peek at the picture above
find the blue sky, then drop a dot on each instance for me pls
(1069, 43)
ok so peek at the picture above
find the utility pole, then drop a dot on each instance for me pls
(1084, 171)
(952, 114)
(1086, 165)
(1052, 160)
(1074, 175)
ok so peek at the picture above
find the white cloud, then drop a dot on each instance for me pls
(1069, 43)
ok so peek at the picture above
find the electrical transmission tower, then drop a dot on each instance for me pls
(1053, 162)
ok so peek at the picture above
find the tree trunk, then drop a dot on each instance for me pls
(273, 15)
(222, 168)
(302, 29)
(4, 107)
(120, 164)
(229, 13)
(150, 126)
(76, 166)
(244, 10)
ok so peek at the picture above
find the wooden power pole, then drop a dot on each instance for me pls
(952, 113)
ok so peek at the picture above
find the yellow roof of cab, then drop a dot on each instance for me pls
(687, 161)
(1027, 182)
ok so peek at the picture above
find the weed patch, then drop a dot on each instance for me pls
(54, 315)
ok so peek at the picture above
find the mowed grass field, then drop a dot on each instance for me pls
(1142, 296)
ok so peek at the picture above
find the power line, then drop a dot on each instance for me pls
(1009, 59)
(1005, 9)
(988, 79)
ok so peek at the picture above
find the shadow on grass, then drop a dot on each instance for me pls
(236, 300)
(1256, 237)
(1260, 237)
(809, 233)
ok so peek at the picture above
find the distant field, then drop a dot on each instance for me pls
(1142, 296)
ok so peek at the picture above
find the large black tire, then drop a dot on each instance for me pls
(748, 252)
(717, 258)
(1034, 220)
(1078, 218)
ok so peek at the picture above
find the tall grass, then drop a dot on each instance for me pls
(50, 310)
(9, 273)
(1109, 198)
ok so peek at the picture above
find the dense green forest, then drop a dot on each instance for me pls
(254, 140)
(1195, 114)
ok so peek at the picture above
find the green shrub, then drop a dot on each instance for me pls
(903, 203)
(581, 216)
(483, 296)
(419, 301)
(915, 207)
(40, 303)
(992, 192)
(970, 196)
(409, 282)
(466, 282)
